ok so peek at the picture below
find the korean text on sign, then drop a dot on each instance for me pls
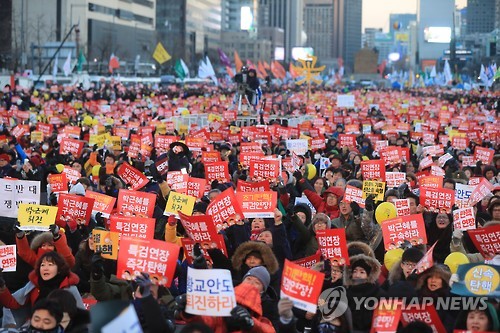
(36, 217)
(257, 204)
(178, 202)
(437, 200)
(106, 242)
(210, 292)
(225, 209)
(333, 246)
(127, 226)
(135, 203)
(15, 192)
(396, 231)
(8, 258)
(486, 240)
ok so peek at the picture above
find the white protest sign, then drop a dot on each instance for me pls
(15, 192)
(402, 207)
(464, 219)
(8, 258)
(298, 146)
(394, 179)
(126, 322)
(346, 101)
(462, 194)
(303, 199)
(210, 292)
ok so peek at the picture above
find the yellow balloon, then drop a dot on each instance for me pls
(391, 257)
(60, 167)
(87, 120)
(95, 170)
(455, 259)
(185, 113)
(35, 93)
(95, 121)
(385, 211)
(310, 171)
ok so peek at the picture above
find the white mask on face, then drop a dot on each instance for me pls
(317, 156)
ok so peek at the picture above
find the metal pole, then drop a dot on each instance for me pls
(54, 55)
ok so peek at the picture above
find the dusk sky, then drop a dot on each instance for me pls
(376, 12)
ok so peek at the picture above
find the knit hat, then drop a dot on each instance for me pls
(5, 157)
(261, 273)
(412, 255)
(363, 264)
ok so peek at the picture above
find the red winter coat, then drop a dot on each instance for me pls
(31, 256)
(319, 202)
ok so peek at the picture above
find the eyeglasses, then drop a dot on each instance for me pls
(409, 264)
(336, 271)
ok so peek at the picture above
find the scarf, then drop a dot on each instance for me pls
(47, 286)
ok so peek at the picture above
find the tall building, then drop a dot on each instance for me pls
(480, 16)
(240, 15)
(369, 37)
(318, 25)
(189, 29)
(400, 22)
(347, 30)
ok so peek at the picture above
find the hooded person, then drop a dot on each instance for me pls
(179, 157)
(297, 222)
(360, 279)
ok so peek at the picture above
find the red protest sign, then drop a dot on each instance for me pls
(178, 181)
(89, 302)
(73, 209)
(136, 227)
(201, 229)
(333, 246)
(246, 158)
(250, 147)
(58, 182)
(71, 146)
(301, 285)
(210, 157)
(459, 143)
(308, 262)
(135, 203)
(132, 176)
(434, 182)
(484, 155)
(411, 228)
(217, 171)
(260, 204)
(162, 142)
(481, 190)
(265, 169)
(347, 140)
(196, 144)
(437, 200)
(373, 170)
(486, 240)
(216, 243)
(102, 203)
(464, 219)
(71, 174)
(162, 166)
(425, 162)
(425, 313)
(225, 209)
(391, 155)
(386, 317)
(354, 194)
(244, 186)
(157, 258)
(196, 187)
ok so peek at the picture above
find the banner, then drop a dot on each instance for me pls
(437, 200)
(477, 279)
(58, 183)
(178, 202)
(391, 155)
(243, 186)
(136, 227)
(333, 246)
(74, 210)
(347, 140)
(354, 194)
(464, 219)
(71, 174)
(302, 286)
(217, 171)
(260, 204)
(132, 176)
(486, 240)
(155, 257)
(410, 228)
(265, 169)
(425, 313)
(434, 182)
(373, 170)
(106, 242)
(135, 203)
(225, 209)
(374, 187)
(196, 187)
(36, 217)
(15, 192)
(246, 158)
(102, 203)
(200, 228)
(395, 179)
(210, 292)
(8, 258)
(402, 207)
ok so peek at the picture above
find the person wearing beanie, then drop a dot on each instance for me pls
(400, 281)
(6, 169)
(297, 223)
(360, 279)
(258, 276)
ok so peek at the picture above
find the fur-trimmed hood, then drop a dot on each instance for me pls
(371, 262)
(360, 246)
(38, 240)
(395, 273)
(438, 270)
(269, 260)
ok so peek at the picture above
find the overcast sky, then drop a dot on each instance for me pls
(376, 12)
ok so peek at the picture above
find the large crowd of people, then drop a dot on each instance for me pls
(57, 270)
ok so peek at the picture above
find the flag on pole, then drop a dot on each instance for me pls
(433, 72)
(447, 72)
(113, 63)
(229, 71)
(207, 70)
(160, 54)
(56, 64)
(483, 76)
(497, 74)
(224, 60)
(181, 69)
(81, 61)
(67, 65)
(237, 62)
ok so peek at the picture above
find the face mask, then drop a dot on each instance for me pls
(359, 281)
(317, 156)
(328, 328)
(32, 329)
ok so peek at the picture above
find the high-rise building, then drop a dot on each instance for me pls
(400, 22)
(347, 30)
(318, 25)
(240, 15)
(369, 37)
(480, 16)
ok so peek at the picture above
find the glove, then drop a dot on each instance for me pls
(19, 232)
(298, 175)
(285, 306)
(144, 283)
(241, 317)
(355, 208)
(99, 220)
(2, 281)
(370, 203)
(458, 234)
(199, 261)
(180, 306)
(97, 268)
(54, 229)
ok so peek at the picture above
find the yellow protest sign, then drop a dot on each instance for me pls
(161, 128)
(160, 54)
(97, 139)
(106, 242)
(456, 133)
(36, 217)
(179, 202)
(183, 129)
(36, 136)
(234, 129)
(482, 280)
(214, 117)
(374, 187)
(116, 141)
